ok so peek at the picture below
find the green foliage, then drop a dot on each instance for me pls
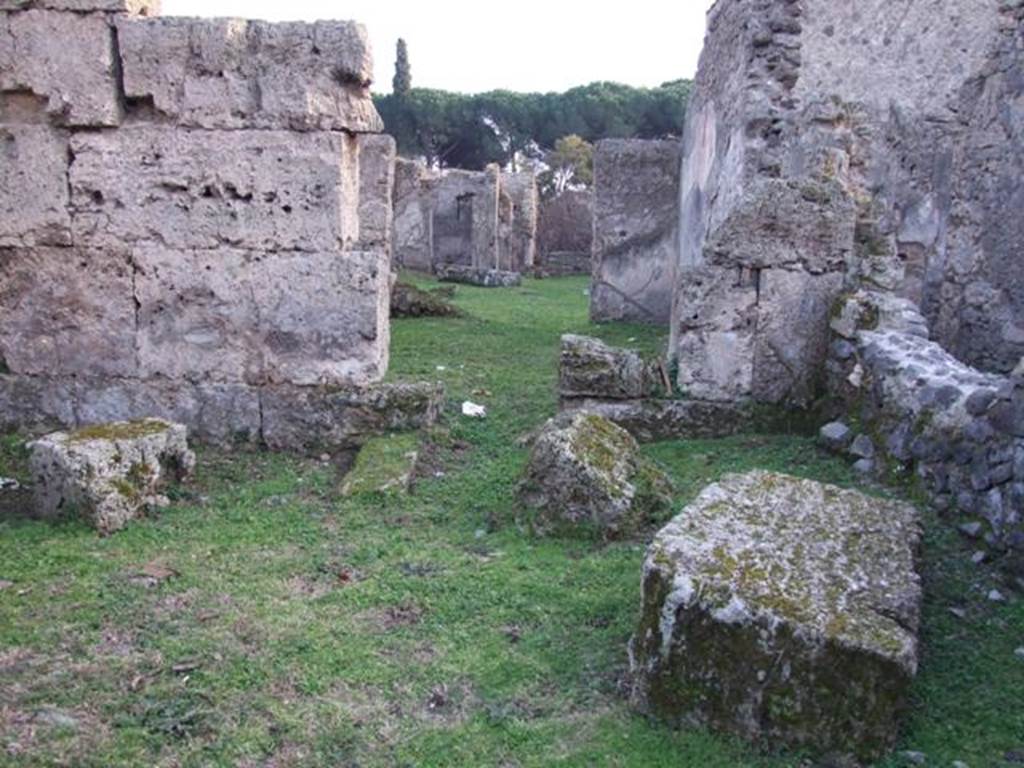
(402, 82)
(570, 162)
(299, 627)
(470, 131)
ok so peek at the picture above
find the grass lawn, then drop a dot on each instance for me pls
(266, 620)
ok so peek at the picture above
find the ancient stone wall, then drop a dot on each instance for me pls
(192, 212)
(486, 220)
(635, 241)
(565, 233)
(923, 412)
(830, 145)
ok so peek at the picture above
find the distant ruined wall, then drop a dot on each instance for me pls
(636, 230)
(194, 215)
(482, 219)
(832, 145)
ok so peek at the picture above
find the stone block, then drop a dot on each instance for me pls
(108, 474)
(260, 190)
(376, 187)
(256, 317)
(478, 276)
(588, 477)
(33, 186)
(67, 311)
(636, 217)
(65, 58)
(218, 414)
(233, 73)
(785, 612)
(658, 420)
(385, 465)
(135, 7)
(792, 338)
(590, 368)
(318, 419)
(35, 402)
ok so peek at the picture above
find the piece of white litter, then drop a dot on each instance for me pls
(9, 484)
(473, 410)
(442, 368)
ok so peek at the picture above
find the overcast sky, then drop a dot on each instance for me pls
(525, 45)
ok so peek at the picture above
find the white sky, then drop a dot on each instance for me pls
(526, 45)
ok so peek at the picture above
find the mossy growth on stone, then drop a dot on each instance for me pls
(385, 465)
(784, 611)
(119, 430)
(588, 479)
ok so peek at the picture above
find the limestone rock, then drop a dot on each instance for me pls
(635, 235)
(64, 311)
(259, 190)
(657, 420)
(108, 474)
(64, 59)
(312, 419)
(409, 301)
(588, 477)
(783, 611)
(376, 188)
(480, 277)
(33, 186)
(385, 465)
(139, 7)
(836, 436)
(233, 73)
(591, 368)
(254, 317)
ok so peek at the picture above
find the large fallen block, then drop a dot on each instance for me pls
(259, 190)
(66, 59)
(108, 474)
(590, 368)
(233, 73)
(587, 477)
(782, 611)
(654, 420)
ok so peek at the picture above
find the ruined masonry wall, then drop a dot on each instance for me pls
(481, 219)
(636, 230)
(192, 212)
(835, 145)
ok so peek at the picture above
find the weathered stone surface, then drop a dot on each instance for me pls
(835, 436)
(518, 204)
(589, 477)
(67, 310)
(464, 219)
(957, 429)
(385, 465)
(412, 246)
(232, 73)
(653, 420)
(376, 188)
(911, 160)
(33, 186)
(261, 190)
(782, 611)
(108, 474)
(65, 58)
(409, 301)
(565, 224)
(590, 368)
(478, 276)
(313, 419)
(140, 7)
(636, 219)
(563, 264)
(244, 316)
(35, 402)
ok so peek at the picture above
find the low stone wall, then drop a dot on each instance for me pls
(636, 226)
(958, 430)
(564, 264)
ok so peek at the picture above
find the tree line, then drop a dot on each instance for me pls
(473, 130)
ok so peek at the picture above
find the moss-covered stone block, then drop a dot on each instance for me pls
(587, 477)
(782, 611)
(384, 465)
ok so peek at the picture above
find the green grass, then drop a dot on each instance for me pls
(300, 628)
